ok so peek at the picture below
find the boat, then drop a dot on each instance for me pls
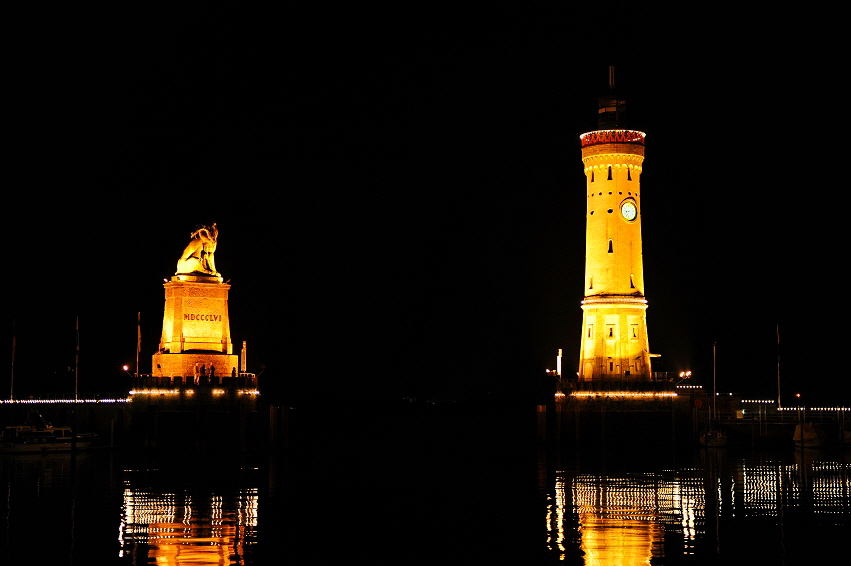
(713, 438)
(37, 435)
(812, 437)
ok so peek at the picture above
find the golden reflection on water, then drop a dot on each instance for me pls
(618, 519)
(188, 529)
(607, 541)
(623, 519)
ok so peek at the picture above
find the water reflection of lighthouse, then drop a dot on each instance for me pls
(636, 517)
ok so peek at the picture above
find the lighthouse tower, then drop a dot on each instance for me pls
(614, 343)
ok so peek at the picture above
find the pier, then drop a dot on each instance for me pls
(168, 413)
(667, 412)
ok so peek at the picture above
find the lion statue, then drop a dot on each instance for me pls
(198, 256)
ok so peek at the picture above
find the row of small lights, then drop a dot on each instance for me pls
(160, 392)
(125, 400)
(798, 395)
(621, 394)
(686, 375)
(53, 401)
(655, 394)
(189, 392)
(699, 387)
(838, 409)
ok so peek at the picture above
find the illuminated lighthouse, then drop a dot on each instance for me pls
(614, 343)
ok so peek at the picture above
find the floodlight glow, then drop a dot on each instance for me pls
(633, 394)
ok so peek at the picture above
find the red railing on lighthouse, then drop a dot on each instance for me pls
(612, 136)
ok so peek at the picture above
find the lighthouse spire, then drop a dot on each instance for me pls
(610, 108)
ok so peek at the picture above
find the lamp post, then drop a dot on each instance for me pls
(559, 400)
(133, 381)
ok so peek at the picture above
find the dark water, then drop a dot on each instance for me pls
(427, 487)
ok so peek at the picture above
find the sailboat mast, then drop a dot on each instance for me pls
(77, 361)
(778, 365)
(12, 386)
(138, 339)
(714, 390)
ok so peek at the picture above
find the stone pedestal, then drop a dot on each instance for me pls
(196, 329)
(195, 365)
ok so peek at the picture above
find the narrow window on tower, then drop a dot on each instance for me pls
(633, 330)
(610, 172)
(592, 176)
(610, 331)
(628, 174)
(590, 331)
(611, 366)
(631, 283)
(590, 282)
(610, 246)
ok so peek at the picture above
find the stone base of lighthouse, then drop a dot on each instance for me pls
(614, 339)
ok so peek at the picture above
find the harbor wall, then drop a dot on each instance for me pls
(198, 427)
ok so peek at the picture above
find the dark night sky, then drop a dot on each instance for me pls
(401, 199)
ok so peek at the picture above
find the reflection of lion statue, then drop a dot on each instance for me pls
(198, 255)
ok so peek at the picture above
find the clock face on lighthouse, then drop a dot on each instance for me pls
(629, 210)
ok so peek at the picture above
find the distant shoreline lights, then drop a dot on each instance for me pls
(65, 401)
